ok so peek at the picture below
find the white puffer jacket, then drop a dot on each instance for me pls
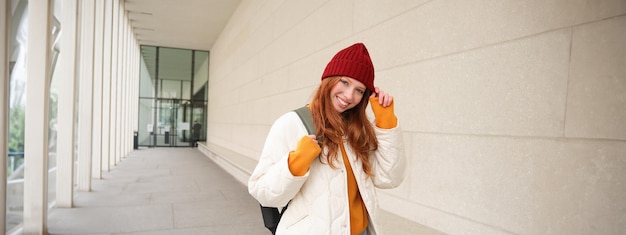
(319, 199)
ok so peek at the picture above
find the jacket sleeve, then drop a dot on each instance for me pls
(389, 161)
(271, 182)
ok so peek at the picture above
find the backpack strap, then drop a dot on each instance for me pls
(307, 119)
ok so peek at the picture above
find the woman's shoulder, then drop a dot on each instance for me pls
(287, 124)
(287, 120)
(288, 117)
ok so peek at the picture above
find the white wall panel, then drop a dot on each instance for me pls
(522, 185)
(513, 88)
(597, 97)
(369, 13)
(444, 27)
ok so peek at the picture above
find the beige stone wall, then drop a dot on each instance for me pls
(514, 112)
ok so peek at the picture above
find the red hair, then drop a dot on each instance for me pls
(353, 123)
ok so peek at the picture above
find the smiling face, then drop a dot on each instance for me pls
(346, 94)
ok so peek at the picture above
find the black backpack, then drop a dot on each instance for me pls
(271, 216)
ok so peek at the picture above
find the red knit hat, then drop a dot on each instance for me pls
(354, 62)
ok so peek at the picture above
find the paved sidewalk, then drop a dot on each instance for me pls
(161, 191)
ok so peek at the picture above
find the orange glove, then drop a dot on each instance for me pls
(300, 159)
(385, 117)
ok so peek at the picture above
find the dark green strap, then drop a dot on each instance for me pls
(307, 119)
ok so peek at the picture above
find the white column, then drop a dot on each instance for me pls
(129, 93)
(113, 95)
(135, 76)
(137, 81)
(106, 85)
(131, 84)
(37, 105)
(96, 151)
(133, 89)
(123, 78)
(4, 107)
(85, 122)
(119, 79)
(127, 131)
(66, 107)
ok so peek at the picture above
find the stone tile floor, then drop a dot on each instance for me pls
(161, 191)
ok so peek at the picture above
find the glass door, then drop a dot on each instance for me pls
(165, 133)
(198, 122)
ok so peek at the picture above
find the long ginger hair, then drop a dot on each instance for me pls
(331, 125)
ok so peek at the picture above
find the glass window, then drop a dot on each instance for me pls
(201, 75)
(174, 64)
(146, 117)
(186, 90)
(17, 111)
(171, 89)
(148, 71)
(172, 96)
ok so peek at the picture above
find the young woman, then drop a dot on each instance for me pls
(330, 185)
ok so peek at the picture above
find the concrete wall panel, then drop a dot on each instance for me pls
(440, 28)
(519, 186)
(513, 88)
(368, 13)
(597, 97)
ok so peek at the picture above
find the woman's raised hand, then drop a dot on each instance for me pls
(384, 98)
